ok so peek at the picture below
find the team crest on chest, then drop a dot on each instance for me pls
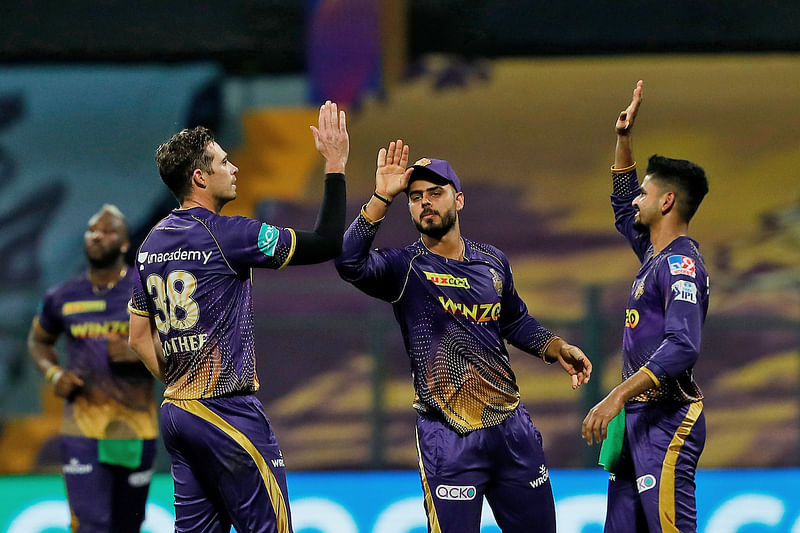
(639, 290)
(497, 281)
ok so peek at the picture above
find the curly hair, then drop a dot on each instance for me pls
(178, 158)
(688, 179)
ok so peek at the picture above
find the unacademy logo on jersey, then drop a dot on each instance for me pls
(147, 258)
(456, 492)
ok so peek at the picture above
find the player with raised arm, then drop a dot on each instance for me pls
(456, 304)
(109, 423)
(663, 427)
(192, 324)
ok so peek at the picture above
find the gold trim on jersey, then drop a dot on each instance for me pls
(83, 306)
(433, 518)
(215, 242)
(291, 250)
(273, 489)
(135, 311)
(666, 490)
(651, 376)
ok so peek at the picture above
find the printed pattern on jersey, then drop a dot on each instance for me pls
(194, 280)
(454, 317)
(116, 401)
(666, 308)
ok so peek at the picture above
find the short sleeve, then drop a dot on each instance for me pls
(50, 317)
(248, 243)
(140, 304)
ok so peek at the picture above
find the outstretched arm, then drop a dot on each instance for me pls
(626, 182)
(333, 143)
(373, 271)
(623, 156)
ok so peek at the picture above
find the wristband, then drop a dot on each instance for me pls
(623, 170)
(382, 199)
(53, 374)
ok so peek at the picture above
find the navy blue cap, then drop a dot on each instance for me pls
(436, 171)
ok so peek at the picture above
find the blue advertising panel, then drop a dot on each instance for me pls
(390, 502)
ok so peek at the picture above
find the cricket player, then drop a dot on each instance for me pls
(192, 325)
(652, 488)
(456, 305)
(109, 423)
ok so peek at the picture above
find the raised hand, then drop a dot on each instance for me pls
(331, 137)
(391, 176)
(628, 116)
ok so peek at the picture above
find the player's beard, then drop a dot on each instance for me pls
(106, 259)
(437, 231)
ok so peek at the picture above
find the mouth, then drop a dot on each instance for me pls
(428, 215)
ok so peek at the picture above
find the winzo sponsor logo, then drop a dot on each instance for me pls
(456, 492)
(475, 312)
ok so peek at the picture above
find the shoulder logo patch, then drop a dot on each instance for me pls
(268, 239)
(685, 291)
(681, 265)
(497, 281)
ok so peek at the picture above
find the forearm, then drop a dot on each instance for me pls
(325, 241)
(42, 351)
(531, 337)
(635, 385)
(145, 343)
(623, 155)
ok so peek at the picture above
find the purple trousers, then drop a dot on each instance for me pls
(104, 498)
(226, 465)
(653, 489)
(504, 463)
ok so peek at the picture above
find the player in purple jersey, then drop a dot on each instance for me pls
(109, 423)
(652, 487)
(456, 304)
(192, 325)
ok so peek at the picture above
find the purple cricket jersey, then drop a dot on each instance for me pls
(666, 308)
(116, 401)
(454, 316)
(206, 326)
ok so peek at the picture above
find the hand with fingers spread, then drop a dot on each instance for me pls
(391, 175)
(628, 116)
(331, 138)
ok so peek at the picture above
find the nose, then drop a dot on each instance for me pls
(235, 169)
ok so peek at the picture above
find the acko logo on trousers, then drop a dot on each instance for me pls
(646, 482)
(455, 492)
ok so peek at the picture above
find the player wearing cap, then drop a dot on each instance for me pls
(663, 427)
(455, 302)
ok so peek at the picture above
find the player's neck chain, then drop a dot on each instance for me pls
(102, 288)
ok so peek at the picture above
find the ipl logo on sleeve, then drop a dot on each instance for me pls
(685, 291)
(681, 264)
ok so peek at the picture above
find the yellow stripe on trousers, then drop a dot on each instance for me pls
(433, 519)
(271, 484)
(666, 491)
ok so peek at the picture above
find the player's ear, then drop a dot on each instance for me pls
(198, 178)
(459, 201)
(667, 202)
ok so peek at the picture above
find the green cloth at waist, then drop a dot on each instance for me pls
(121, 452)
(612, 446)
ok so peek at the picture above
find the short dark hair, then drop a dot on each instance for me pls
(688, 179)
(180, 156)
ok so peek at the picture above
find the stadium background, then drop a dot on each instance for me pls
(520, 98)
